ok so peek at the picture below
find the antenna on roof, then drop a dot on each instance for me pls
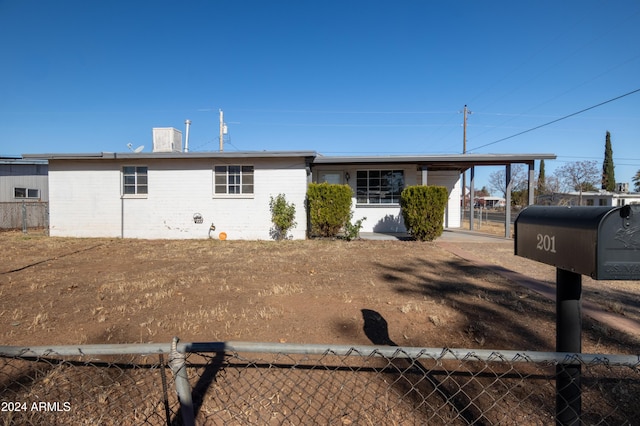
(138, 149)
(222, 130)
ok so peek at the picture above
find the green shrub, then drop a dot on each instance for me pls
(423, 210)
(282, 216)
(352, 230)
(329, 208)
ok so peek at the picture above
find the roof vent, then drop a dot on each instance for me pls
(167, 139)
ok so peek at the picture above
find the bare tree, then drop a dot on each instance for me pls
(551, 189)
(498, 180)
(579, 176)
(552, 184)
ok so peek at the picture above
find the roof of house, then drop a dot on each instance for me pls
(600, 194)
(172, 155)
(442, 162)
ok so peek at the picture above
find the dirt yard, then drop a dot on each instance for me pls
(56, 291)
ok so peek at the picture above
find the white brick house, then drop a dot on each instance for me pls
(179, 195)
(173, 196)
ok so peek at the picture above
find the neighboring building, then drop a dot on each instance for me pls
(23, 180)
(491, 202)
(24, 191)
(180, 195)
(591, 198)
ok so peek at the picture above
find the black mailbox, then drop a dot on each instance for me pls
(601, 242)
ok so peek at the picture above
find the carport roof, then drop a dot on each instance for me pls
(443, 162)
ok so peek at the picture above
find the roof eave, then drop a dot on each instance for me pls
(172, 155)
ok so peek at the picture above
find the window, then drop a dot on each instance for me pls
(379, 186)
(330, 177)
(26, 193)
(233, 180)
(134, 180)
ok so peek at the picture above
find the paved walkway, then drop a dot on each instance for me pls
(453, 241)
(448, 235)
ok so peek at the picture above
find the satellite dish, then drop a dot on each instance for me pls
(138, 149)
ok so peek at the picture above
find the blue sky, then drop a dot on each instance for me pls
(340, 78)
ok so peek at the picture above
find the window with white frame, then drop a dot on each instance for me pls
(26, 193)
(379, 186)
(135, 180)
(233, 180)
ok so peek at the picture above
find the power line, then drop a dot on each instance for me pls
(597, 158)
(556, 120)
(342, 112)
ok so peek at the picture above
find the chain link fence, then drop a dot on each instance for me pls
(24, 215)
(261, 383)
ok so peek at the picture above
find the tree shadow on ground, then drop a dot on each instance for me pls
(419, 381)
(506, 315)
(210, 370)
(496, 316)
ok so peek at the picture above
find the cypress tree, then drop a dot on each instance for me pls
(542, 185)
(608, 175)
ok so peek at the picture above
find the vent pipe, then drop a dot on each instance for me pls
(186, 137)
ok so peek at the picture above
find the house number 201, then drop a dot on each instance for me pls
(546, 243)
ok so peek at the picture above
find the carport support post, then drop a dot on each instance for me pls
(568, 339)
(530, 188)
(507, 207)
(472, 198)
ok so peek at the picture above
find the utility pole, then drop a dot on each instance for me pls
(464, 151)
(464, 131)
(221, 131)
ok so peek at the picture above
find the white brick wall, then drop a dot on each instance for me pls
(87, 202)
(451, 181)
(84, 199)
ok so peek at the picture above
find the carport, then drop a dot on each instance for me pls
(464, 162)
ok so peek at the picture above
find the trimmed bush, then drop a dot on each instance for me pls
(329, 208)
(423, 210)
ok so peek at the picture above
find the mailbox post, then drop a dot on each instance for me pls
(568, 339)
(601, 242)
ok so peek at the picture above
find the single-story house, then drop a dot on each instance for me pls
(591, 198)
(186, 194)
(491, 202)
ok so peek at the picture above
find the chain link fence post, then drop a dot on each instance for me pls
(24, 218)
(177, 362)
